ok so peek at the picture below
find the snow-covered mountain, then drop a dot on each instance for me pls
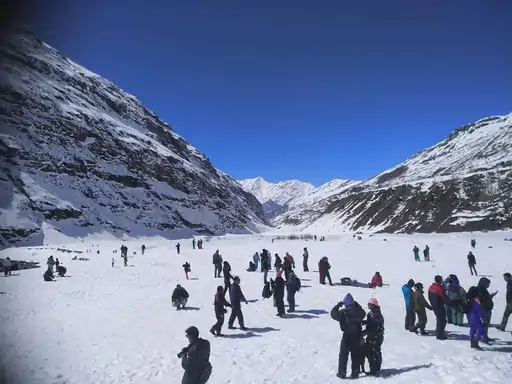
(280, 193)
(461, 183)
(80, 155)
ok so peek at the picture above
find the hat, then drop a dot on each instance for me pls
(410, 283)
(373, 301)
(348, 300)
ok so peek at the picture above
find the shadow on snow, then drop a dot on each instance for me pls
(241, 335)
(262, 330)
(314, 312)
(389, 372)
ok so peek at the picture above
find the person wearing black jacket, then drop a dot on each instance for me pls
(226, 269)
(487, 304)
(217, 264)
(350, 319)
(219, 304)
(374, 336)
(278, 263)
(179, 297)
(236, 295)
(278, 289)
(323, 269)
(472, 263)
(195, 359)
(508, 309)
(305, 257)
(265, 264)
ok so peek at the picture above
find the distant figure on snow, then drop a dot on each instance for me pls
(409, 312)
(113, 262)
(217, 264)
(350, 319)
(323, 269)
(236, 295)
(278, 291)
(61, 270)
(473, 243)
(7, 266)
(278, 263)
(226, 269)
(426, 253)
(143, 249)
(195, 359)
(416, 252)
(57, 263)
(305, 257)
(178, 246)
(252, 267)
(179, 297)
(256, 259)
(472, 263)
(186, 268)
(48, 276)
(193, 243)
(293, 285)
(50, 262)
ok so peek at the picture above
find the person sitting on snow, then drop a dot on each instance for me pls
(376, 280)
(252, 267)
(61, 270)
(48, 276)
(179, 297)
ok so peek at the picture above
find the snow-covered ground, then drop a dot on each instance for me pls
(116, 325)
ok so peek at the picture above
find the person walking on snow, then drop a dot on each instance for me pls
(438, 299)
(178, 246)
(278, 291)
(374, 337)
(227, 276)
(186, 268)
(236, 295)
(305, 257)
(350, 319)
(193, 243)
(508, 308)
(292, 287)
(410, 317)
(416, 252)
(278, 263)
(426, 253)
(419, 303)
(142, 249)
(219, 304)
(472, 263)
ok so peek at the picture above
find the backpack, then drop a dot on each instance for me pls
(267, 292)
(296, 283)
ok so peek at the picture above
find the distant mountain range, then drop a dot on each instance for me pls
(463, 183)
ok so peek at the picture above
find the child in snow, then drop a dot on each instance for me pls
(186, 268)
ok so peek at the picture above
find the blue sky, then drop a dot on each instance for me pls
(312, 90)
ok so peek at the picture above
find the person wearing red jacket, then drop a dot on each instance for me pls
(376, 280)
(438, 299)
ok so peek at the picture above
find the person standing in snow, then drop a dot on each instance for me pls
(178, 246)
(179, 297)
(473, 243)
(508, 308)
(50, 264)
(456, 293)
(426, 253)
(57, 263)
(472, 263)
(416, 252)
(410, 317)
(438, 299)
(256, 260)
(374, 336)
(292, 287)
(113, 262)
(350, 319)
(125, 258)
(217, 264)
(236, 295)
(195, 359)
(278, 263)
(7, 266)
(227, 276)
(487, 304)
(187, 269)
(193, 243)
(475, 317)
(323, 269)
(219, 304)
(305, 257)
(265, 264)
(143, 249)
(278, 291)
(419, 303)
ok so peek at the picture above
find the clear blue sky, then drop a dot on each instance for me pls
(312, 90)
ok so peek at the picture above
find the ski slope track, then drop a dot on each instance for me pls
(463, 183)
(107, 325)
(80, 156)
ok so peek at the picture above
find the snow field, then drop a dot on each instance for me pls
(116, 325)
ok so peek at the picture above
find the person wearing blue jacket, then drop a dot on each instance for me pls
(475, 316)
(410, 317)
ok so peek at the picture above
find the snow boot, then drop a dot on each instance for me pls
(474, 345)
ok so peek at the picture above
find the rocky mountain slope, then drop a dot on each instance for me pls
(463, 183)
(81, 156)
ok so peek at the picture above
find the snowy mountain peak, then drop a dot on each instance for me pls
(280, 193)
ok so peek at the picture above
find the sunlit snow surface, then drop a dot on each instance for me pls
(116, 325)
